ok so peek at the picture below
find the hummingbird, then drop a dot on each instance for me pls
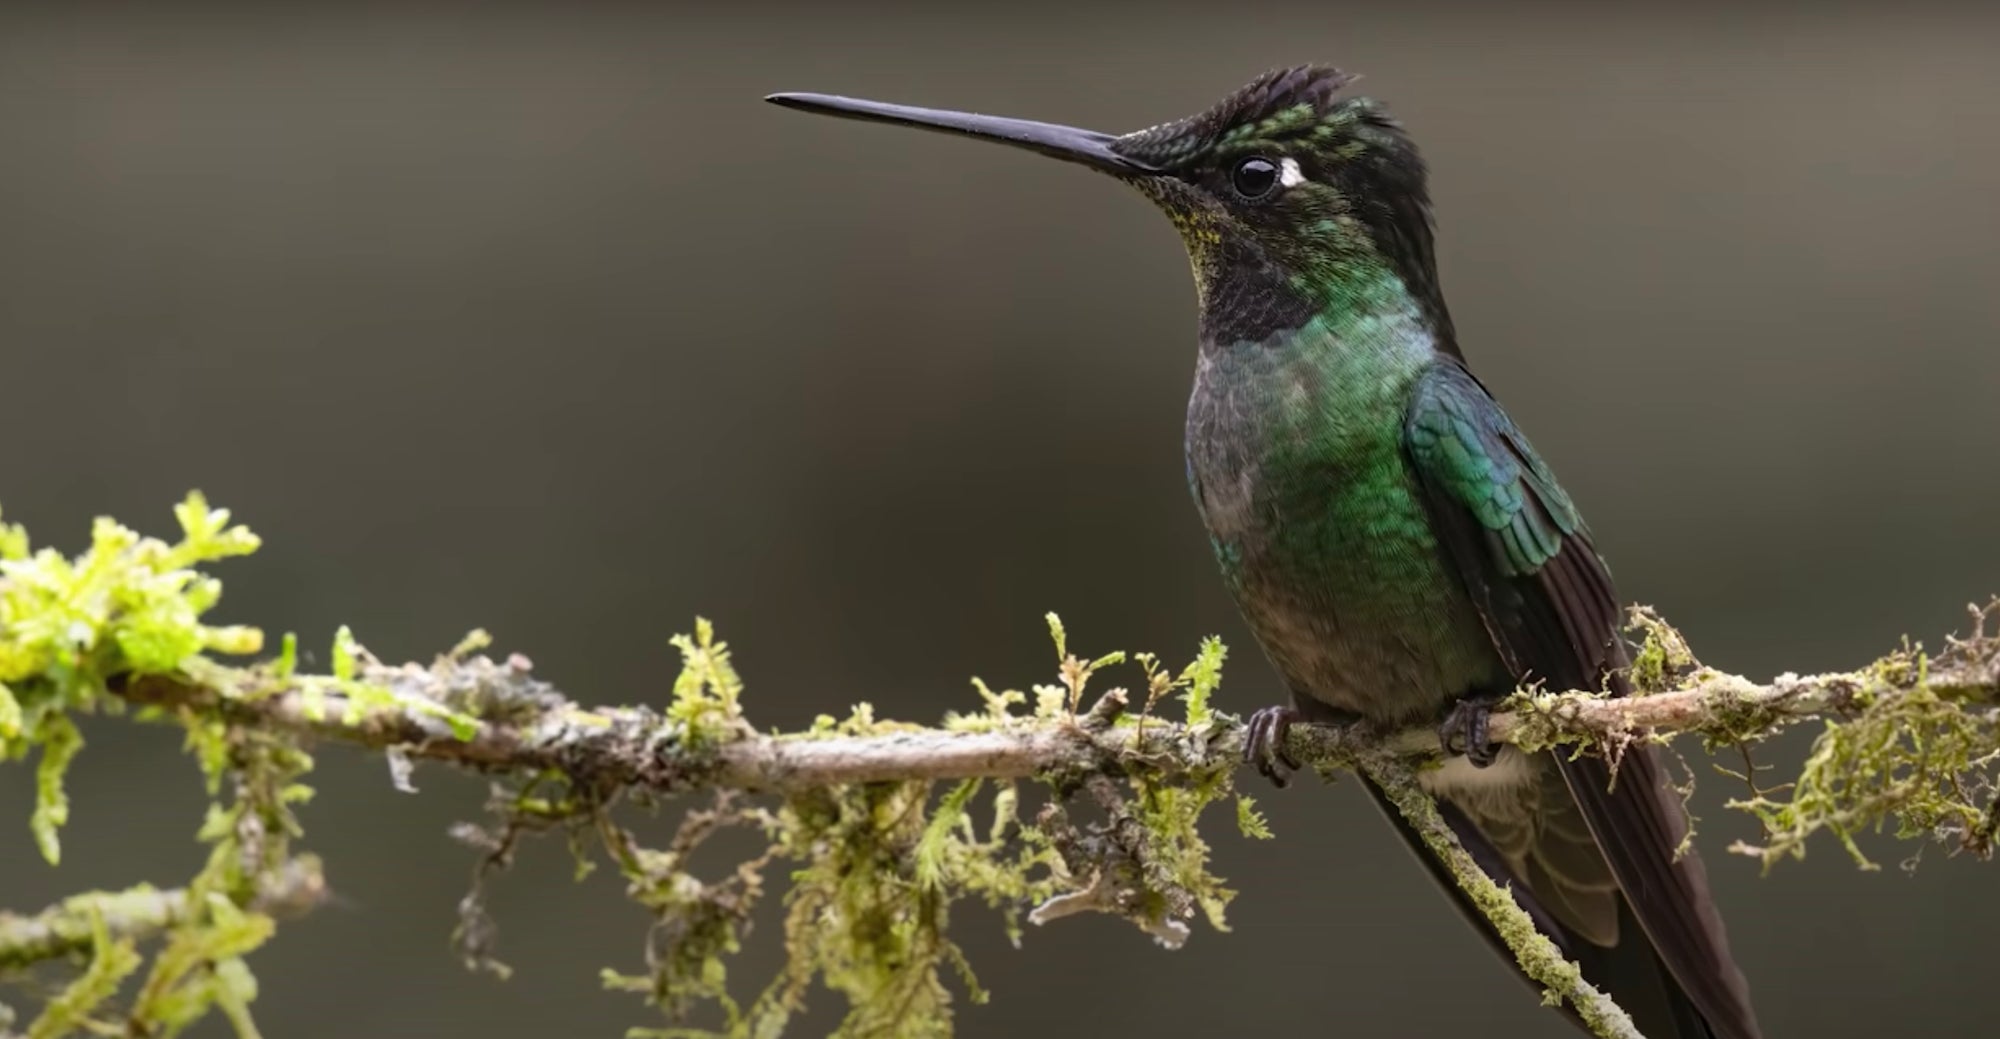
(1401, 553)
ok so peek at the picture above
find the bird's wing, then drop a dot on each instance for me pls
(1547, 601)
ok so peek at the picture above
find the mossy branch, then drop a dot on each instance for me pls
(1540, 958)
(1885, 766)
(518, 723)
(885, 827)
(65, 929)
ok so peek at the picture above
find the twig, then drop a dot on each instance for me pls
(1539, 957)
(64, 929)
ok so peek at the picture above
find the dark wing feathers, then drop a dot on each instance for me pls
(1549, 605)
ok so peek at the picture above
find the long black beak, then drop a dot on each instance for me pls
(1068, 143)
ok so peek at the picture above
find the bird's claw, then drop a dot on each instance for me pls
(1264, 744)
(1464, 731)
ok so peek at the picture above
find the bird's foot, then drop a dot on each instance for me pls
(1264, 744)
(1464, 730)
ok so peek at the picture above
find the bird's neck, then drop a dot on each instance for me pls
(1335, 317)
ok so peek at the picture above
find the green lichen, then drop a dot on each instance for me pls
(202, 968)
(859, 918)
(1538, 957)
(697, 924)
(878, 872)
(128, 607)
(1898, 750)
(998, 712)
(71, 1010)
(60, 743)
(1909, 757)
(1176, 875)
(1200, 680)
(1543, 719)
(361, 698)
(707, 694)
(1251, 822)
(1662, 658)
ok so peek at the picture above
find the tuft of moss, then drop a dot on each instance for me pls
(1662, 658)
(127, 604)
(697, 924)
(130, 606)
(74, 1008)
(707, 696)
(878, 870)
(1910, 756)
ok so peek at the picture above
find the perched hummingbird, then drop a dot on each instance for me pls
(1397, 547)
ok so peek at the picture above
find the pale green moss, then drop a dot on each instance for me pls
(1895, 751)
(876, 870)
(1911, 757)
(697, 924)
(706, 698)
(1662, 657)
(132, 606)
(1539, 958)
(74, 1008)
(127, 604)
(60, 742)
(1251, 822)
(1200, 680)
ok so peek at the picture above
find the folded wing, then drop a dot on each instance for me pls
(1549, 606)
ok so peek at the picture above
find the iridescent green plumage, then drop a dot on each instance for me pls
(1397, 547)
(1477, 456)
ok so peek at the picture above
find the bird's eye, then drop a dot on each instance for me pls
(1254, 178)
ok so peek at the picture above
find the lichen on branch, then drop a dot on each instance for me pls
(1037, 804)
(1539, 957)
(70, 630)
(878, 861)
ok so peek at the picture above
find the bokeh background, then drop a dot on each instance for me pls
(537, 319)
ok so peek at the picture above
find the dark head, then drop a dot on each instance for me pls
(1291, 198)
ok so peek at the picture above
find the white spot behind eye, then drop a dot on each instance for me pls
(1289, 173)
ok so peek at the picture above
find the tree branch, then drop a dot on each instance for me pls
(865, 833)
(494, 716)
(524, 725)
(65, 929)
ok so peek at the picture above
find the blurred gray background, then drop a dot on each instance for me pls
(538, 319)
